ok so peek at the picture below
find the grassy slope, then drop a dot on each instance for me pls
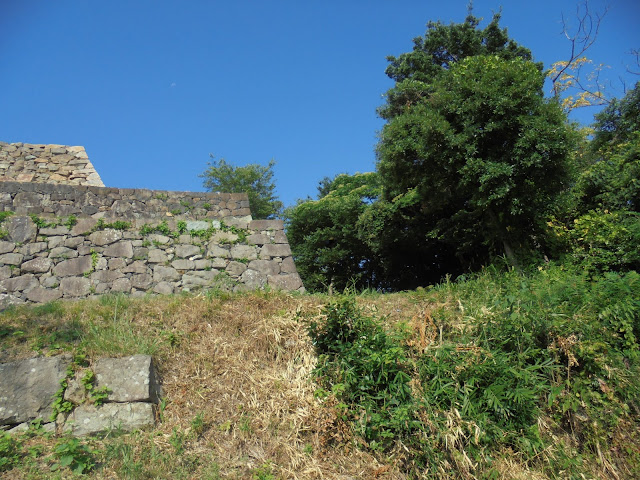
(239, 396)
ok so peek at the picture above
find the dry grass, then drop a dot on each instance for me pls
(236, 377)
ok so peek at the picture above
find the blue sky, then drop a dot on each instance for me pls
(150, 88)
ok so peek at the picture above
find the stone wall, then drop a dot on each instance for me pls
(119, 203)
(112, 393)
(42, 260)
(62, 236)
(57, 164)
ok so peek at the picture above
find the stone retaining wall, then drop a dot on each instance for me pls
(113, 393)
(25, 162)
(42, 263)
(121, 203)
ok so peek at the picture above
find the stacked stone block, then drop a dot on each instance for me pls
(42, 264)
(56, 164)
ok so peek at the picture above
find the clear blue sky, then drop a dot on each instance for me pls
(150, 88)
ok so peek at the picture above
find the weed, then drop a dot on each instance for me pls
(11, 451)
(72, 453)
(198, 424)
(264, 472)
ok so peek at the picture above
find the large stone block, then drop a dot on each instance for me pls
(43, 295)
(129, 379)
(89, 420)
(74, 266)
(105, 237)
(75, 286)
(19, 284)
(37, 265)
(279, 250)
(123, 249)
(163, 274)
(285, 282)
(27, 388)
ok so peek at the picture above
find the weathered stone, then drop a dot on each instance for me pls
(33, 248)
(19, 284)
(182, 264)
(288, 266)
(6, 299)
(285, 282)
(106, 276)
(280, 237)
(159, 239)
(51, 231)
(261, 225)
(123, 249)
(43, 295)
(117, 263)
(105, 237)
(75, 286)
(215, 250)
(224, 237)
(267, 267)
(253, 279)
(75, 391)
(184, 251)
(62, 252)
(142, 281)
(235, 269)
(135, 267)
(50, 282)
(27, 388)
(74, 266)
(219, 263)
(244, 251)
(276, 251)
(5, 272)
(6, 247)
(89, 420)
(84, 225)
(20, 229)
(129, 379)
(203, 264)
(26, 202)
(199, 278)
(162, 274)
(163, 288)
(157, 256)
(54, 242)
(37, 265)
(258, 239)
(121, 285)
(11, 258)
(199, 225)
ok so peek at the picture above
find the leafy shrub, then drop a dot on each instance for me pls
(556, 344)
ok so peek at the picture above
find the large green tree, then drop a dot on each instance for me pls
(255, 180)
(323, 236)
(481, 156)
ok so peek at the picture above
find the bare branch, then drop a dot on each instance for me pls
(584, 36)
(636, 53)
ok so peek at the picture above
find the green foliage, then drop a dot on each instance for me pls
(554, 344)
(619, 121)
(479, 159)
(117, 225)
(11, 451)
(440, 48)
(72, 453)
(600, 241)
(253, 179)
(97, 396)
(324, 239)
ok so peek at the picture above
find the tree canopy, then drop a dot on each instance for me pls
(480, 157)
(255, 180)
